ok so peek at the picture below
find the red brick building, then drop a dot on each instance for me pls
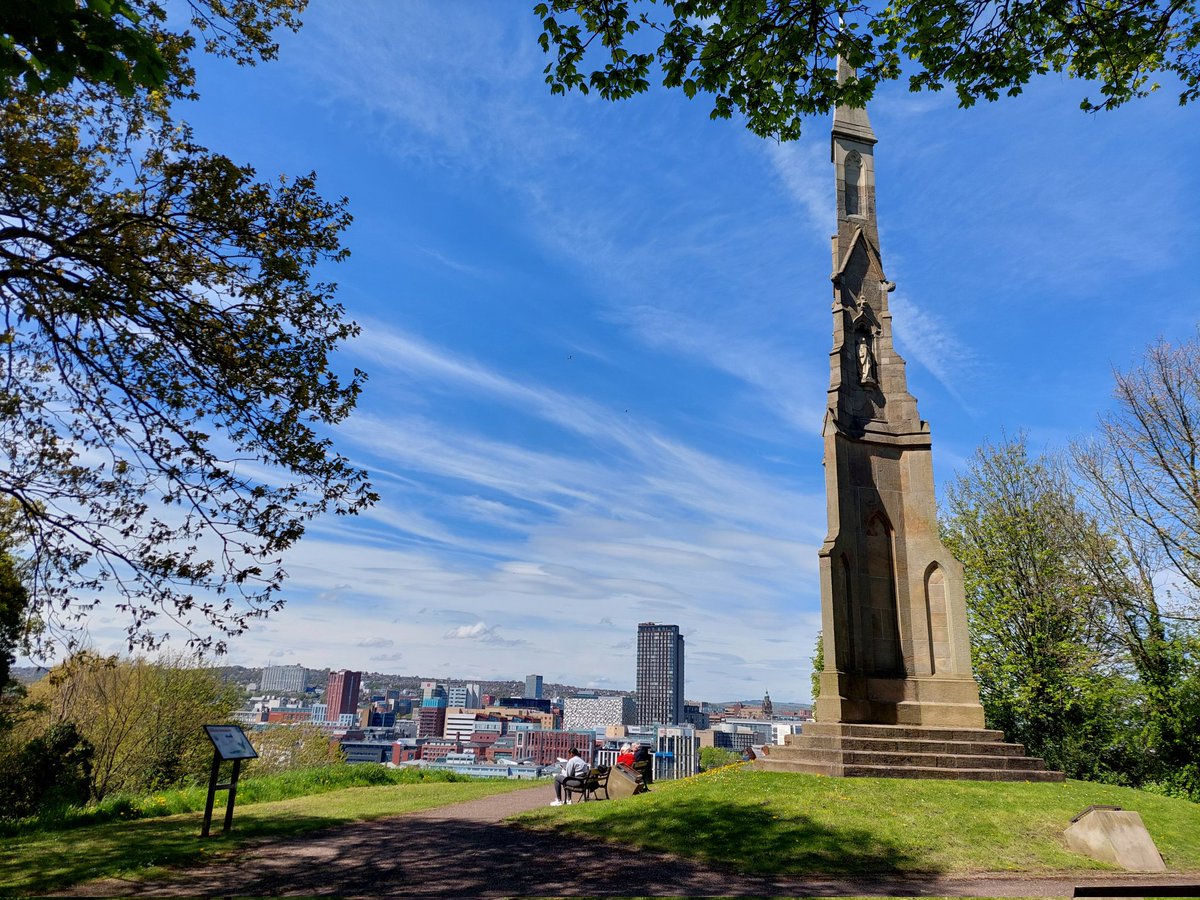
(546, 747)
(341, 694)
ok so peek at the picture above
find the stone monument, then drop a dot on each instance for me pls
(897, 677)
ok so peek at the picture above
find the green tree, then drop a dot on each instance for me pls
(143, 719)
(13, 601)
(48, 44)
(1142, 474)
(51, 770)
(818, 664)
(282, 748)
(715, 757)
(775, 62)
(167, 378)
(1047, 676)
(45, 45)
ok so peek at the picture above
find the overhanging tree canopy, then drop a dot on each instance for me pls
(774, 61)
(166, 350)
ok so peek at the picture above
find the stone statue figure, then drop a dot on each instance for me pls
(866, 362)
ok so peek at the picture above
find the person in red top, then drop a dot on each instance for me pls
(625, 757)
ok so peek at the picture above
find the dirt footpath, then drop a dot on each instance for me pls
(465, 851)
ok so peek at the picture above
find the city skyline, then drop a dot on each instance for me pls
(597, 336)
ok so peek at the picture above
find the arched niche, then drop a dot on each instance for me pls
(937, 620)
(847, 652)
(853, 170)
(882, 617)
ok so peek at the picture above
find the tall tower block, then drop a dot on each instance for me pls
(892, 608)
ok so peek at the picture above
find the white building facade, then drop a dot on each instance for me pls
(586, 713)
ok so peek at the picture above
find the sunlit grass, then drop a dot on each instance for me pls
(767, 823)
(253, 789)
(40, 862)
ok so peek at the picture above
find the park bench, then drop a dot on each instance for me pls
(588, 786)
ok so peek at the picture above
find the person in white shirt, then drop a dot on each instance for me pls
(574, 768)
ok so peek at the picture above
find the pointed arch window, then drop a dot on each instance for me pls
(937, 620)
(881, 607)
(854, 181)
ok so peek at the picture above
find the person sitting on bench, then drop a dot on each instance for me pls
(575, 769)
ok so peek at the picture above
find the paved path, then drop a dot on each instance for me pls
(465, 851)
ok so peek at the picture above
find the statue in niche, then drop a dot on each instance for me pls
(867, 373)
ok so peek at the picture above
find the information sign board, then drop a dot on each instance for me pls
(231, 742)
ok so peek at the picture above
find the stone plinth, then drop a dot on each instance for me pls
(1115, 836)
(899, 751)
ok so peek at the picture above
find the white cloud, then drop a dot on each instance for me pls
(804, 169)
(922, 337)
(376, 642)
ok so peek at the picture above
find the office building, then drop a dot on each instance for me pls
(341, 695)
(659, 674)
(284, 680)
(432, 690)
(466, 696)
(677, 754)
(533, 687)
(547, 747)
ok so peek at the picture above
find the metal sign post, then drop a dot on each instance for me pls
(229, 743)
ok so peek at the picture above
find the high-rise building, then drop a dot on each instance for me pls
(431, 690)
(465, 696)
(431, 718)
(341, 694)
(659, 674)
(533, 687)
(285, 679)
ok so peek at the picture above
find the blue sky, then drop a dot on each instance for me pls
(597, 335)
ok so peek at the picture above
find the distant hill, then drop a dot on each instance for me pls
(27, 674)
(381, 681)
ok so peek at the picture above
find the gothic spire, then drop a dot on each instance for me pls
(849, 122)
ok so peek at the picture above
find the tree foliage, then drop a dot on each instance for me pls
(167, 373)
(52, 770)
(13, 601)
(715, 757)
(141, 718)
(1047, 676)
(286, 747)
(774, 61)
(48, 44)
(1142, 474)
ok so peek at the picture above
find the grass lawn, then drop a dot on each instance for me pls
(39, 862)
(778, 823)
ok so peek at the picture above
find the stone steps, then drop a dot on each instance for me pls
(910, 745)
(953, 774)
(970, 735)
(926, 760)
(905, 751)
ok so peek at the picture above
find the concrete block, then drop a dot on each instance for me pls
(1115, 836)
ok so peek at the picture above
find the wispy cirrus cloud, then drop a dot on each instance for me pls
(922, 337)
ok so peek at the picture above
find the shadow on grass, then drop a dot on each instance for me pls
(134, 847)
(416, 856)
(747, 837)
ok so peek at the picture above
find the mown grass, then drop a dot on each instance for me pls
(260, 789)
(776, 823)
(42, 861)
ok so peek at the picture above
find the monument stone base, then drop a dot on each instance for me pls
(915, 700)
(904, 751)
